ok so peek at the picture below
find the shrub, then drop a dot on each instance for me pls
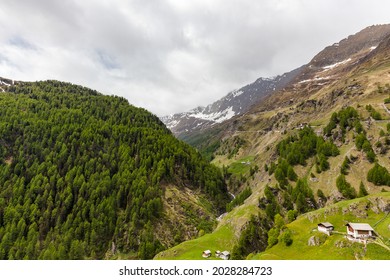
(362, 190)
(292, 215)
(345, 188)
(286, 237)
(273, 234)
(379, 175)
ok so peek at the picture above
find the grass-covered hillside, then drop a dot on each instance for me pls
(83, 175)
(224, 237)
(308, 243)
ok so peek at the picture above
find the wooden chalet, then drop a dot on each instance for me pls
(225, 255)
(206, 254)
(360, 232)
(325, 227)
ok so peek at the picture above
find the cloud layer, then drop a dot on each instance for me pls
(170, 56)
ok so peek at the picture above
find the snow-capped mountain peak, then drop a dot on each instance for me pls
(234, 103)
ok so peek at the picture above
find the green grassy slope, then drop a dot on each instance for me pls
(223, 238)
(336, 246)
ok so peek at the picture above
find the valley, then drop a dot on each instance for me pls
(89, 176)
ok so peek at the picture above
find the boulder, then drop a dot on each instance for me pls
(313, 241)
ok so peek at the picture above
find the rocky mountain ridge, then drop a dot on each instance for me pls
(265, 93)
(235, 103)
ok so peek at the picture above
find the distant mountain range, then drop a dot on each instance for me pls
(319, 71)
(233, 104)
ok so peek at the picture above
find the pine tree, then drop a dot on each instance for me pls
(345, 188)
(362, 190)
(345, 166)
(379, 175)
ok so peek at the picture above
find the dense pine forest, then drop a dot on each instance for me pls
(81, 173)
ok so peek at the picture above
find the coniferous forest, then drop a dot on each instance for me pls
(80, 171)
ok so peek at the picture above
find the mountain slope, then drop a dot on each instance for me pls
(85, 175)
(328, 66)
(335, 247)
(233, 104)
(308, 243)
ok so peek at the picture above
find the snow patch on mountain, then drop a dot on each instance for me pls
(4, 83)
(218, 117)
(328, 67)
(172, 123)
(237, 93)
(315, 79)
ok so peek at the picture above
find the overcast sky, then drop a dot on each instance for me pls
(170, 56)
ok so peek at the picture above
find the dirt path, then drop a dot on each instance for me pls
(384, 107)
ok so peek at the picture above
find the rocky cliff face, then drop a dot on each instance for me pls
(235, 103)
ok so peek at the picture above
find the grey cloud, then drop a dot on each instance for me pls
(171, 55)
(107, 60)
(21, 43)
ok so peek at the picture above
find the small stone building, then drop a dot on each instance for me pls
(206, 254)
(325, 227)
